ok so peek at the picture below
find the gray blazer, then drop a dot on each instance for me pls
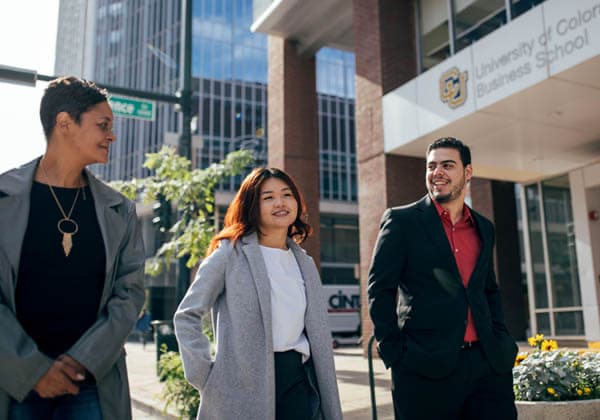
(100, 349)
(240, 382)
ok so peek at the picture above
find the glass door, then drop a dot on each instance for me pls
(553, 276)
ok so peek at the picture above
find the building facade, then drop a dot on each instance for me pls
(136, 44)
(517, 81)
(75, 37)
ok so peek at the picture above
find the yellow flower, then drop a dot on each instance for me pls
(579, 392)
(549, 345)
(551, 390)
(520, 357)
(534, 341)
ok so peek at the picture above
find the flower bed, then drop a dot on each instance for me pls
(549, 374)
(552, 383)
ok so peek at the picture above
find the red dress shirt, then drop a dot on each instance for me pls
(466, 246)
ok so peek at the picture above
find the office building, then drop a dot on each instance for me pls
(518, 81)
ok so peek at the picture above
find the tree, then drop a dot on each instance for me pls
(192, 192)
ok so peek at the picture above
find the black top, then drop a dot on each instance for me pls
(57, 297)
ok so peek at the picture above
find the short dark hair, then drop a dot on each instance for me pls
(452, 143)
(71, 95)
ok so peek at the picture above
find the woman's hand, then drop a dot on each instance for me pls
(60, 379)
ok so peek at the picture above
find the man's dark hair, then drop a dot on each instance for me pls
(452, 143)
(71, 95)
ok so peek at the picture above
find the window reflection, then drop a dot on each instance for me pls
(473, 19)
(561, 242)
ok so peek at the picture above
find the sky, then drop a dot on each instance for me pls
(27, 40)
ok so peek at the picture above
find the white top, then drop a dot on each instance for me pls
(288, 301)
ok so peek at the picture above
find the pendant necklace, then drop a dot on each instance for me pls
(66, 226)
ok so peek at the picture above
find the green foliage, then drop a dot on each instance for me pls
(554, 375)
(177, 391)
(193, 194)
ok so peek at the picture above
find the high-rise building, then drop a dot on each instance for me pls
(75, 37)
(136, 44)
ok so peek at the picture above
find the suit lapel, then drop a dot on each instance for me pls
(111, 222)
(112, 225)
(251, 250)
(432, 225)
(14, 214)
(486, 245)
(14, 211)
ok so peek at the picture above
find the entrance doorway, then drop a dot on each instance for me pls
(553, 282)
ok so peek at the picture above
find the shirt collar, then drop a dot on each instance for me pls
(467, 215)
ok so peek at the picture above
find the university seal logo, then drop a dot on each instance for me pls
(453, 87)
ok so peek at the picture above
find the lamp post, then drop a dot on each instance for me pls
(185, 103)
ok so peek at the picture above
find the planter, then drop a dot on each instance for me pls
(559, 410)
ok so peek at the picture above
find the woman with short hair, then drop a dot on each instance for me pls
(71, 269)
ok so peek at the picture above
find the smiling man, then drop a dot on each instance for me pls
(435, 303)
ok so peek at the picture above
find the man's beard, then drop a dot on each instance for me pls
(452, 195)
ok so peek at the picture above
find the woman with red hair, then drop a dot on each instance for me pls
(273, 356)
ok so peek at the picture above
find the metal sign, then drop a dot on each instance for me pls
(133, 108)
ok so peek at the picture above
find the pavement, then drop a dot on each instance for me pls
(351, 369)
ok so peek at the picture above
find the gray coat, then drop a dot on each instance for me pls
(100, 349)
(240, 382)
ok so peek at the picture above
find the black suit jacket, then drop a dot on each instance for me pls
(417, 300)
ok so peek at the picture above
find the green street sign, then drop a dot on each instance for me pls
(133, 108)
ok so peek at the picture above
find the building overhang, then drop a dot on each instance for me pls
(313, 24)
(526, 98)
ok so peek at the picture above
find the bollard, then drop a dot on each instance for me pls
(164, 334)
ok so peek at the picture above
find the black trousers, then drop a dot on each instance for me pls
(472, 392)
(296, 391)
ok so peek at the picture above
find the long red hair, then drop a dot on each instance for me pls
(243, 214)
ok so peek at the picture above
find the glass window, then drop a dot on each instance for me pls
(478, 19)
(434, 32)
(335, 72)
(338, 275)
(339, 239)
(521, 6)
(552, 237)
(543, 324)
(561, 242)
(472, 20)
(569, 323)
(540, 292)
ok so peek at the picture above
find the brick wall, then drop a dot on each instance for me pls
(385, 59)
(292, 127)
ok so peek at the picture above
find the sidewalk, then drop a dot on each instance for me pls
(352, 374)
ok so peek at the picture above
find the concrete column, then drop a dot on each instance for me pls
(496, 201)
(293, 131)
(587, 243)
(384, 46)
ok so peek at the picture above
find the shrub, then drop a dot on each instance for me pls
(177, 391)
(550, 374)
